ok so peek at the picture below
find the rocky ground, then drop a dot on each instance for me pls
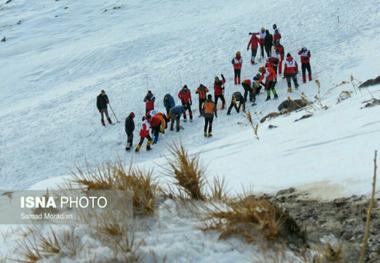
(339, 222)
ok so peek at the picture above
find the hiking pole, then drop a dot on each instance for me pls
(114, 114)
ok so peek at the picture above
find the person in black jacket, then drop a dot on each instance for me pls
(101, 103)
(129, 128)
(268, 42)
(237, 99)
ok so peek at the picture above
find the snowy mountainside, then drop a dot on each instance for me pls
(56, 61)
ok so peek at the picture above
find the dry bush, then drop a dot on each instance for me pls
(326, 253)
(113, 176)
(188, 173)
(254, 126)
(250, 217)
(29, 250)
(41, 246)
(49, 244)
(218, 190)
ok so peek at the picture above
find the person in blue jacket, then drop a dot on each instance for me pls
(175, 116)
(168, 103)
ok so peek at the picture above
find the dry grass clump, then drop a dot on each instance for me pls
(251, 218)
(113, 176)
(187, 172)
(41, 246)
(218, 190)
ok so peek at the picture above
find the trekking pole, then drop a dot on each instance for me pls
(114, 114)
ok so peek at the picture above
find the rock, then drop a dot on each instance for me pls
(290, 105)
(371, 103)
(3, 39)
(339, 202)
(370, 82)
(272, 126)
(287, 191)
(7, 2)
(306, 116)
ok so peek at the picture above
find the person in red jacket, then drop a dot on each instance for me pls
(185, 96)
(219, 90)
(253, 44)
(281, 51)
(202, 93)
(270, 80)
(274, 60)
(155, 123)
(290, 72)
(144, 133)
(305, 63)
(237, 63)
(276, 35)
(149, 101)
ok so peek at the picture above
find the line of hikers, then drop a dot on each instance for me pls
(155, 122)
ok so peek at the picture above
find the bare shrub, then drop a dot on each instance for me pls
(250, 217)
(113, 176)
(188, 174)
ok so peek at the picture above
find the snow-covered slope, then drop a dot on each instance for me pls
(57, 59)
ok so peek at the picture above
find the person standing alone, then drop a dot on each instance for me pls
(102, 102)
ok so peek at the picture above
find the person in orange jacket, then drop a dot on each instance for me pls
(144, 134)
(185, 96)
(209, 109)
(202, 93)
(270, 80)
(237, 63)
(291, 71)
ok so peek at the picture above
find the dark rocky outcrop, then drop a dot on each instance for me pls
(370, 82)
(344, 218)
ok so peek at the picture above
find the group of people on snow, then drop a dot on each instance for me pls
(154, 122)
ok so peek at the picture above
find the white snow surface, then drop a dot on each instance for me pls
(55, 62)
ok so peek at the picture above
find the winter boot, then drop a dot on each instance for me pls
(304, 79)
(148, 148)
(268, 98)
(103, 123)
(310, 78)
(275, 96)
(209, 134)
(205, 134)
(223, 106)
(109, 120)
(138, 148)
(289, 89)
(128, 148)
